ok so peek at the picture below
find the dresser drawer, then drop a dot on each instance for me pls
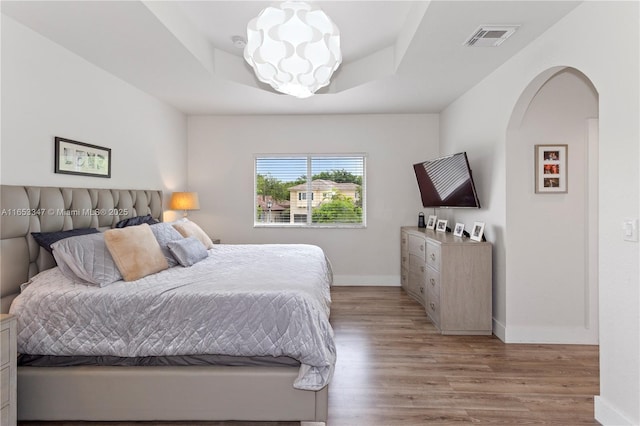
(5, 348)
(404, 242)
(5, 378)
(417, 246)
(433, 256)
(432, 307)
(404, 278)
(4, 416)
(7, 370)
(404, 260)
(433, 280)
(416, 264)
(415, 278)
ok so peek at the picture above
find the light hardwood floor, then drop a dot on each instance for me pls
(394, 369)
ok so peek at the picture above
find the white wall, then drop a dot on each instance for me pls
(601, 40)
(48, 91)
(221, 169)
(554, 300)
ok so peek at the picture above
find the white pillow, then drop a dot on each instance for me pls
(188, 228)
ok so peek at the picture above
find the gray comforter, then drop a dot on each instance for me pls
(243, 300)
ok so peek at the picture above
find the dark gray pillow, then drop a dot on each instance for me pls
(188, 251)
(137, 220)
(45, 239)
(165, 233)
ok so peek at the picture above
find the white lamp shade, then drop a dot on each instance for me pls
(184, 201)
(294, 47)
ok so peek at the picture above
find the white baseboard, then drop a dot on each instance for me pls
(608, 415)
(542, 335)
(499, 330)
(367, 280)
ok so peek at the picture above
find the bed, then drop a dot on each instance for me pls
(249, 387)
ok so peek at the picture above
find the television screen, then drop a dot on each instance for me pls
(446, 182)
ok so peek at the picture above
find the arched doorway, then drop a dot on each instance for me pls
(551, 246)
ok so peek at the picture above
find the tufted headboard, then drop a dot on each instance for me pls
(26, 209)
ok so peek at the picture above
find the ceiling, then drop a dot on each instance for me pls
(398, 56)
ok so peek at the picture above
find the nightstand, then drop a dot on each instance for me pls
(8, 370)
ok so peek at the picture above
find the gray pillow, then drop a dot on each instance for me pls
(137, 220)
(165, 233)
(188, 251)
(88, 258)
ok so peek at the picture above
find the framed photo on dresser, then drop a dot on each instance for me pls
(478, 231)
(431, 222)
(441, 226)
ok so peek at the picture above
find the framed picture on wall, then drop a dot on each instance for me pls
(431, 222)
(551, 169)
(79, 158)
(478, 231)
(457, 231)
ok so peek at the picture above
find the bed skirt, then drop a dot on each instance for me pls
(167, 394)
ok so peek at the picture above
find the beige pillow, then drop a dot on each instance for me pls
(187, 229)
(135, 251)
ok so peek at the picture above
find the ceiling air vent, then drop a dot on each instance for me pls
(490, 35)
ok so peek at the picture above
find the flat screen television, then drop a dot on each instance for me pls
(447, 182)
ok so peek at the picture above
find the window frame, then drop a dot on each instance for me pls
(309, 224)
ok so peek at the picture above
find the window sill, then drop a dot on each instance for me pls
(304, 226)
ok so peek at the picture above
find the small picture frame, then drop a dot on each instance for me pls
(477, 232)
(551, 169)
(441, 226)
(458, 230)
(79, 158)
(431, 222)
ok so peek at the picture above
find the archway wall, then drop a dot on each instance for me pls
(477, 123)
(554, 297)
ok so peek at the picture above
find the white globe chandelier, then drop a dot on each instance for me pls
(294, 47)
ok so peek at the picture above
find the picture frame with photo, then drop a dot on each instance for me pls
(431, 222)
(551, 169)
(458, 230)
(441, 226)
(79, 158)
(478, 231)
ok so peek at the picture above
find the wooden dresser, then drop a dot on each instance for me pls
(451, 277)
(8, 370)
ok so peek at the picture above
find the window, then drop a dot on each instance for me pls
(310, 190)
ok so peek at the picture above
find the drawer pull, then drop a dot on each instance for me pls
(433, 256)
(433, 306)
(422, 269)
(421, 248)
(422, 290)
(404, 259)
(432, 281)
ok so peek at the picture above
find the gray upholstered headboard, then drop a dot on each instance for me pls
(26, 209)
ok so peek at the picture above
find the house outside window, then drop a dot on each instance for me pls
(310, 190)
